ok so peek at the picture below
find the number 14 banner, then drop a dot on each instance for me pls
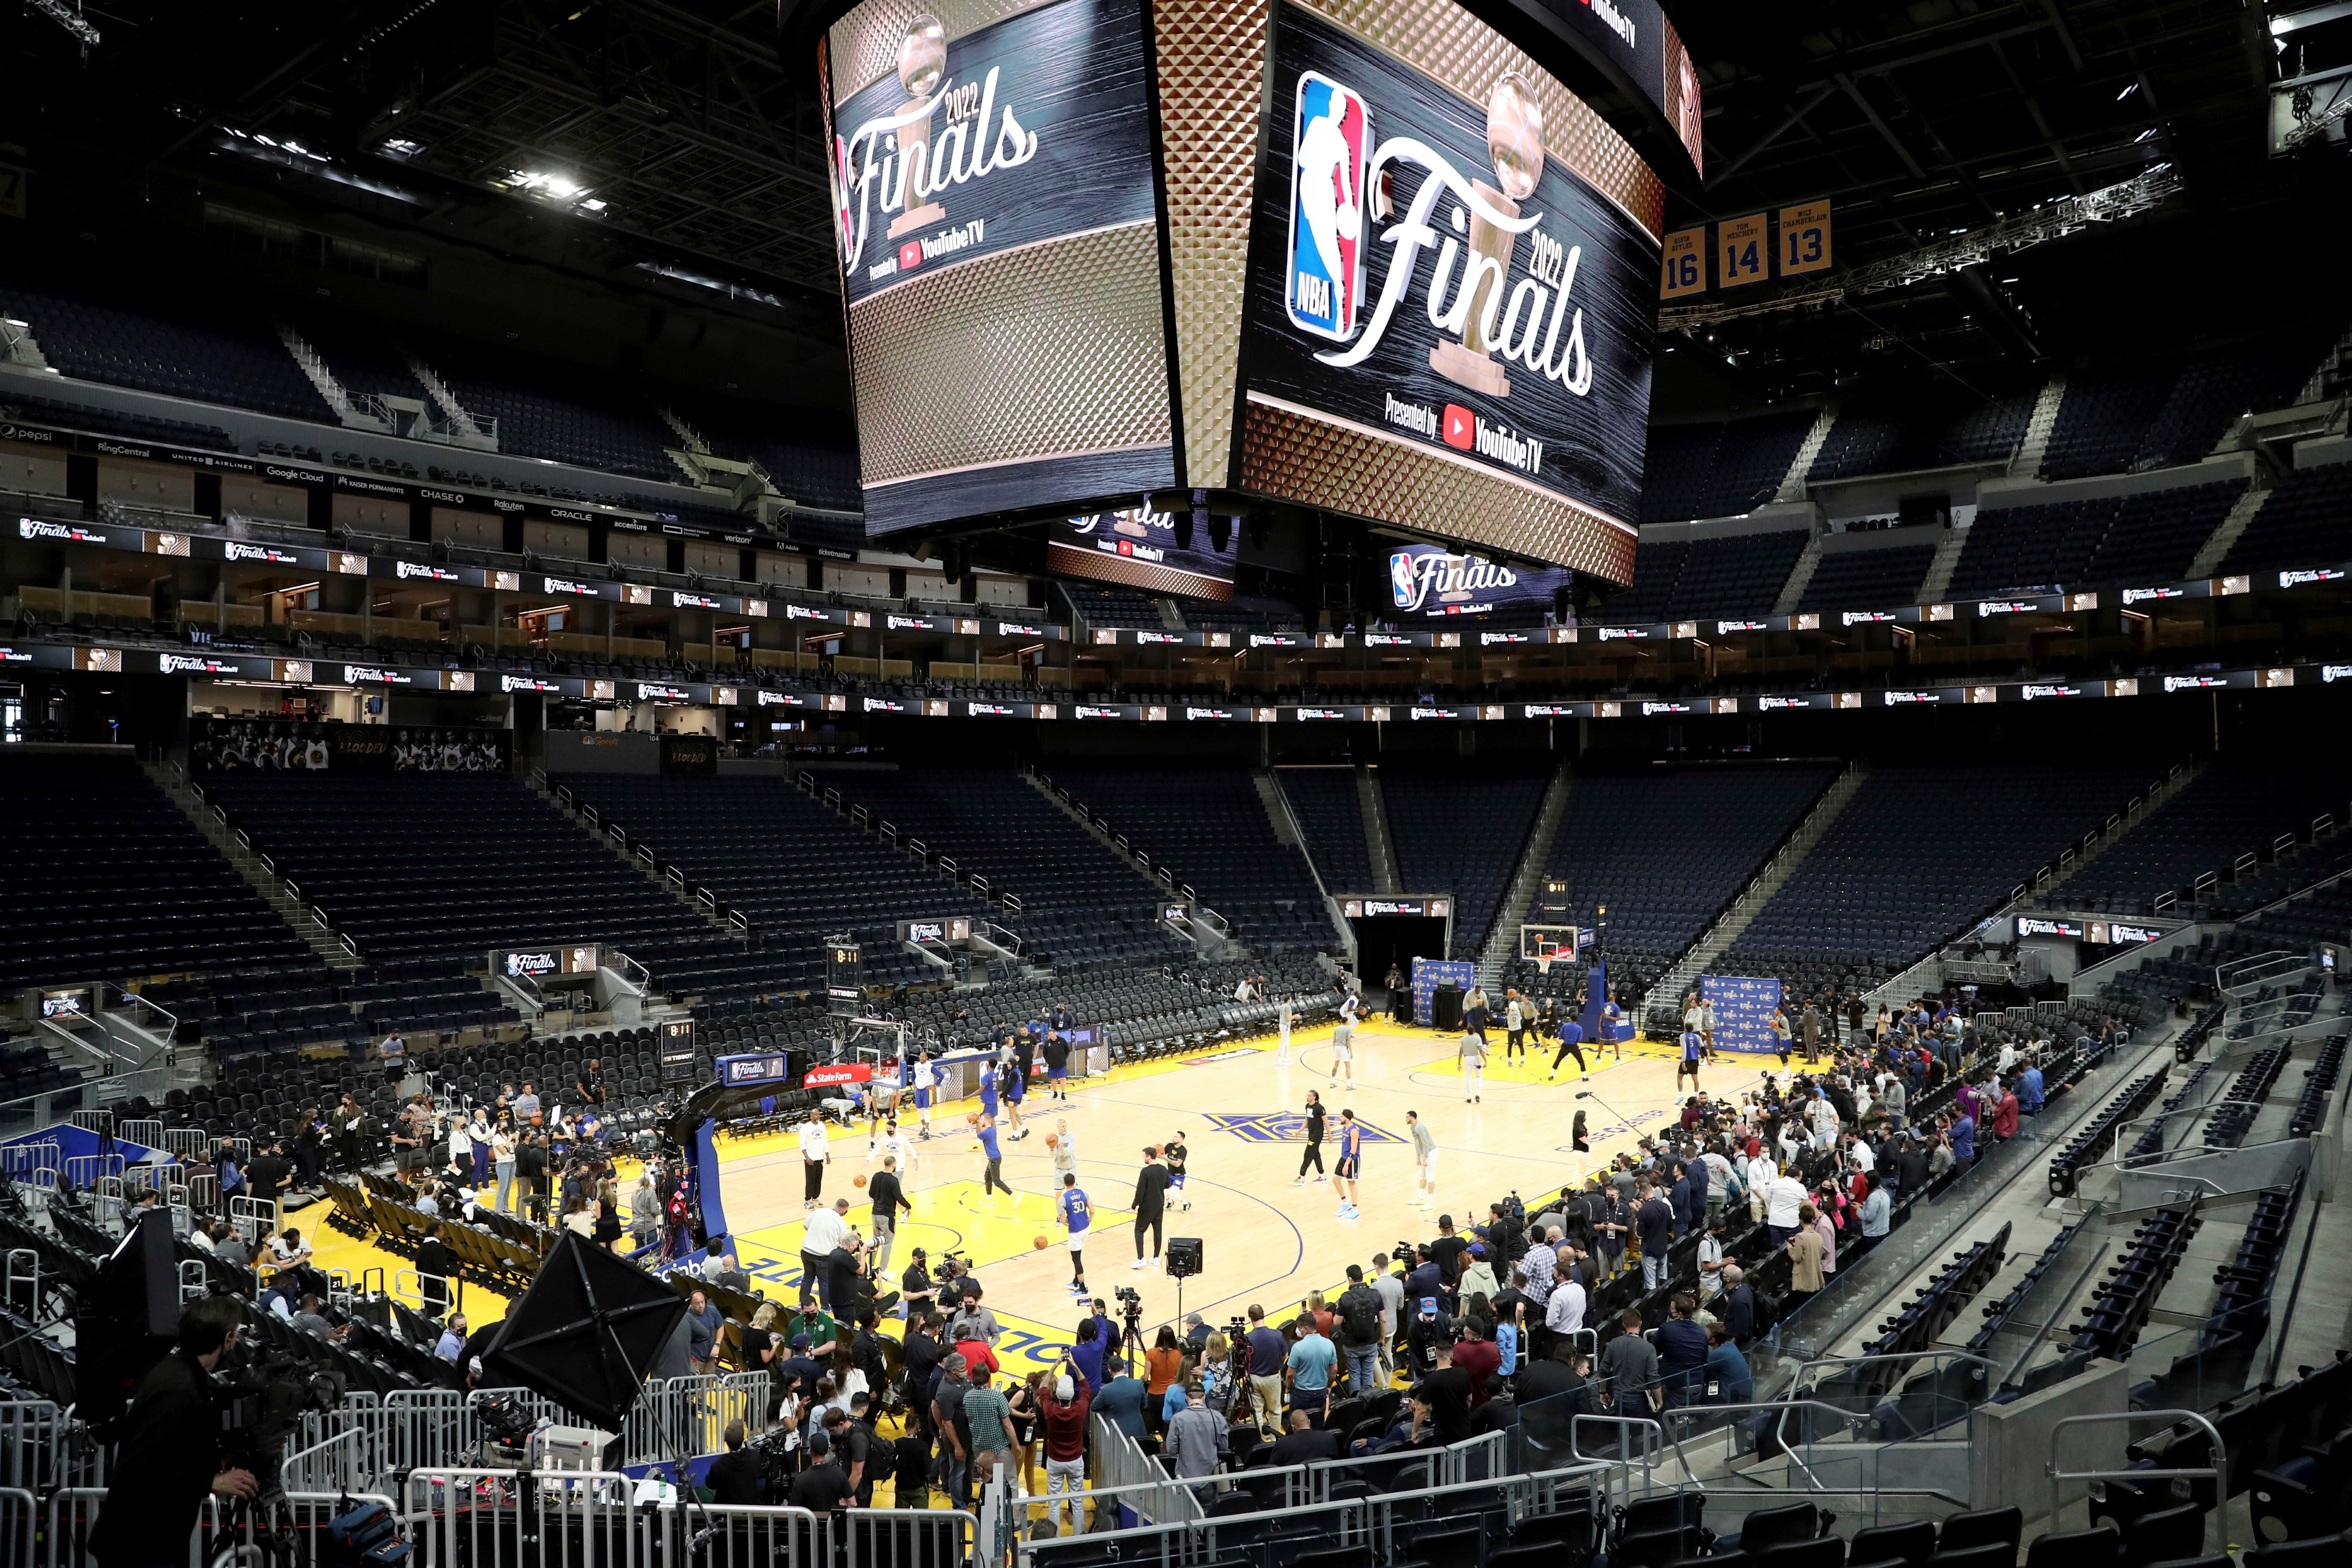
(1787, 242)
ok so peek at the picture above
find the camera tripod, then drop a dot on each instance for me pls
(256, 1530)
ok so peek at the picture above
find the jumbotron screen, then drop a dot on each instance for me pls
(1082, 263)
(999, 231)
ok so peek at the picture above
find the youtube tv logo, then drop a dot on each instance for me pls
(910, 255)
(1460, 429)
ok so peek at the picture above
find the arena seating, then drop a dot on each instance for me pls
(1330, 814)
(1917, 854)
(2155, 534)
(797, 871)
(2019, 547)
(1461, 831)
(1868, 579)
(107, 878)
(2230, 810)
(1123, 609)
(1736, 575)
(2301, 525)
(1721, 821)
(1210, 830)
(545, 412)
(1864, 443)
(815, 463)
(1081, 902)
(230, 359)
(435, 865)
(363, 358)
(1718, 469)
(1987, 432)
(2112, 421)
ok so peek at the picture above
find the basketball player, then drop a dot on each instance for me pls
(1514, 1026)
(1077, 1215)
(1343, 1039)
(1314, 1154)
(992, 1174)
(1175, 1152)
(1693, 1045)
(897, 1145)
(1571, 1044)
(1065, 1148)
(1472, 1054)
(1351, 1157)
(1016, 1087)
(1425, 1153)
(991, 1100)
(1612, 1025)
(927, 1080)
(881, 1101)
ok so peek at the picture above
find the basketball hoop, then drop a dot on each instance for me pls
(1543, 960)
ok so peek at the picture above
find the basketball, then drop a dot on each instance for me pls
(1040, 1243)
(1053, 1140)
(858, 1181)
(972, 1119)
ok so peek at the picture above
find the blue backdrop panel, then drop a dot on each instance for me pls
(1596, 997)
(1743, 1010)
(1429, 973)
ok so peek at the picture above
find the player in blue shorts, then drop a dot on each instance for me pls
(1692, 1046)
(1077, 1216)
(1612, 1025)
(1351, 1155)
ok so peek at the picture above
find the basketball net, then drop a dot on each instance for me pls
(1543, 960)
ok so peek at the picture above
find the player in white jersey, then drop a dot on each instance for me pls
(927, 1084)
(896, 1142)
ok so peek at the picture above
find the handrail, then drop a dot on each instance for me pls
(2058, 1478)
(139, 1003)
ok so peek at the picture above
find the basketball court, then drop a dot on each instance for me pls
(1240, 1109)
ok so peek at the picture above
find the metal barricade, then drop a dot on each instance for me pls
(720, 1535)
(187, 1144)
(2216, 1467)
(19, 1527)
(904, 1538)
(33, 1435)
(85, 1169)
(288, 1533)
(253, 1217)
(20, 1282)
(203, 1193)
(492, 1519)
(427, 1428)
(99, 1122)
(20, 1160)
(66, 1524)
(146, 1134)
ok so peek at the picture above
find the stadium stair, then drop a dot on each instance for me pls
(1801, 576)
(2216, 550)
(1376, 832)
(338, 397)
(1940, 568)
(2036, 445)
(639, 861)
(1669, 990)
(1287, 830)
(469, 429)
(1503, 940)
(249, 865)
(1792, 483)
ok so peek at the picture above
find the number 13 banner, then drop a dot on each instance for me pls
(1805, 238)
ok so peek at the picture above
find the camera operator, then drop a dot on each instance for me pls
(739, 1476)
(916, 1292)
(169, 1455)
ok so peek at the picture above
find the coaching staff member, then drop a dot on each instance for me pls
(170, 1457)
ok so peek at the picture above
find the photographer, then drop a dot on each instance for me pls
(169, 1455)
(915, 1292)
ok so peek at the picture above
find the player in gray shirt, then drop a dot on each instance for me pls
(1425, 1153)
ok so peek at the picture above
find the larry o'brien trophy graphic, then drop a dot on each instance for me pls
(922, 61)
(1515, 147)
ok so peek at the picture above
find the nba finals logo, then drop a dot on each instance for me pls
(1330, 147)
(1454, 579)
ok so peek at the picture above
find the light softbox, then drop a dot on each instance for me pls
(586, 1332)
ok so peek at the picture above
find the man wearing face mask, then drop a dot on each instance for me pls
(1062, 1401)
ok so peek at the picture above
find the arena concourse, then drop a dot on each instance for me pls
(1079, 783)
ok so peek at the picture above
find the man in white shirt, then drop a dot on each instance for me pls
(1710, 1263)
(816, 1151)
(1783, 1196)
(1564, 1313)
(826, 1229)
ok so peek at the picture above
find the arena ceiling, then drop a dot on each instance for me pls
(666, 138)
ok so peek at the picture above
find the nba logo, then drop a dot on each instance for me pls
(1329, 151)
(1402, 585)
